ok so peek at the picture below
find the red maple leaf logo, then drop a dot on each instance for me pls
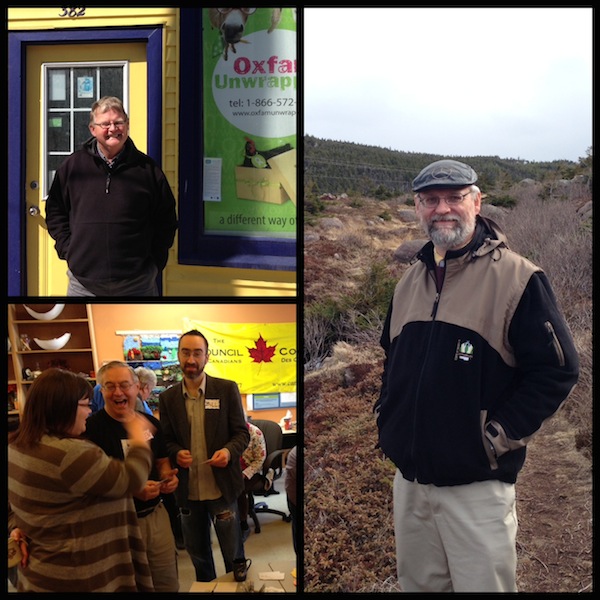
(261, 352)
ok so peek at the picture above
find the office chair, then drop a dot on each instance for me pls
(275, 460)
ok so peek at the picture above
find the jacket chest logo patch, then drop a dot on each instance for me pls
(464, 350)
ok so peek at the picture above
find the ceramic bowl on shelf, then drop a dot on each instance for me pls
(47, 316)
(53, 344)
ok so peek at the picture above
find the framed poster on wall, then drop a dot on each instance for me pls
(249, 103)
(238, 205)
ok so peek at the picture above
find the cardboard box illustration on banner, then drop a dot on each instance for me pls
(284, 165)
(259, 184)
(275, 185)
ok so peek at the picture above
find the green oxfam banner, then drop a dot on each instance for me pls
(250, 121)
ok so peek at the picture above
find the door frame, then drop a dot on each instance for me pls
(17, 45)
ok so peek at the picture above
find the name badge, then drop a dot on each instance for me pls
(214, 403)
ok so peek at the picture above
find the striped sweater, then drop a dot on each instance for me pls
(74, 504)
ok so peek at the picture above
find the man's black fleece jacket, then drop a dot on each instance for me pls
(111, 224)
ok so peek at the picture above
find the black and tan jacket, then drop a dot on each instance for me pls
(472, 367)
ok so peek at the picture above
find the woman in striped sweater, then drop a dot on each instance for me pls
(70, 505)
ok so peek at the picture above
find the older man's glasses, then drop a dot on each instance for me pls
(123, 385)
(451, 200)
(108, 124)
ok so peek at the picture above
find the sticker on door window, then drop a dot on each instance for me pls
(85, 87)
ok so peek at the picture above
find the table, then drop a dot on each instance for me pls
(227, 584)
(288, 567)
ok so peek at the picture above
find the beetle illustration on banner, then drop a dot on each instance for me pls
(259, 357)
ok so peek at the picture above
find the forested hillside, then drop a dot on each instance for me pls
(344, 167)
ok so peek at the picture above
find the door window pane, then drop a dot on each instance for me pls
(58, 88)
(81, 130)
(58, 138)
(111, 82)
(53, 164)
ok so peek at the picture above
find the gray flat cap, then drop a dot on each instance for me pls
(444, 173)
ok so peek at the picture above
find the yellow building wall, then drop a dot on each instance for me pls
(178, 280)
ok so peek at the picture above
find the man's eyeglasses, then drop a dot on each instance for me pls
(107, 124)
(124, 385)
(452, 200)
(196, 353)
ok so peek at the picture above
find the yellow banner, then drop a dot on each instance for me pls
(259, 357)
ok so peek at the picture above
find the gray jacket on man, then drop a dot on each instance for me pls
(225, 427)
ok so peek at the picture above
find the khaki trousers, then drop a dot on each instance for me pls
(160, 549)
(455, 538)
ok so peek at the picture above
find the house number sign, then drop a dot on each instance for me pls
(72, 11)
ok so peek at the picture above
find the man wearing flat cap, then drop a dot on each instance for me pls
(477, 357)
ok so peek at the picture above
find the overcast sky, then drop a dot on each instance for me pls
(508, 82)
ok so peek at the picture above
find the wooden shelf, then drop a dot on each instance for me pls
(78, 355)
(19, 321)
(42, 351)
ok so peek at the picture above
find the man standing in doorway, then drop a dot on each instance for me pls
(204, 426)
(111, 211)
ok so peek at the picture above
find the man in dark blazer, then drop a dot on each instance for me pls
(205, 430)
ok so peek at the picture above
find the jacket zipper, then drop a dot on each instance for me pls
(434, 310)
(436, 303)
(557, 347)
(107, 181)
